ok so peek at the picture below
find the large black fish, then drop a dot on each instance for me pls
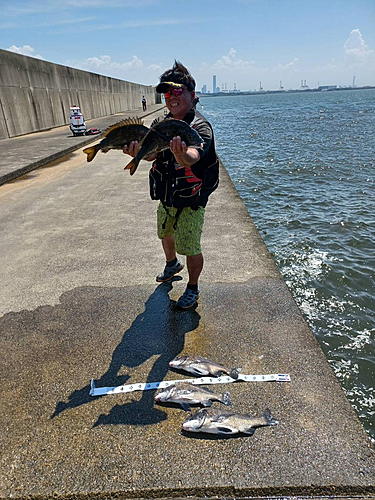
(118, 135)
(158, 139)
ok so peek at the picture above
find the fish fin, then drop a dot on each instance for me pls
(91, 152)
(194, 146)
(235, 372)
(226, 399)
(249, 431)
(185, 406)
(198, 372)
(224, 430)
(132, 166)
(122, 123)
(269, 418)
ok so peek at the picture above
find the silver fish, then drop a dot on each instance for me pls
(202, 366)
(159, 136)
(186, 394)
(226, 423)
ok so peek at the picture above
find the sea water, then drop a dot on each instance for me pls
(303, 164)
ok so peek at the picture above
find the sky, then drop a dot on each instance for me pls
(242, 42)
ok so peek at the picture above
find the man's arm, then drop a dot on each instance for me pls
(185, 156)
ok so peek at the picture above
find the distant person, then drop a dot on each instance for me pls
(144, 103)
(182, 178)
(196, 102)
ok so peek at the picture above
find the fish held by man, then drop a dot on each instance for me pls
(186, 394)
(202, 366)
(226, 423)
(118, 135)
(159, 136)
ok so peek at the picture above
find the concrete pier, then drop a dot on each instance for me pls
(20, 155)
(36, 95)
(79, 301)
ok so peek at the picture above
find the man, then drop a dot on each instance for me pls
(182, 178)
(144, 103)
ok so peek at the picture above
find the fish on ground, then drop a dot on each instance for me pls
(159, 136)
(118, 135)
(226, 423)
(202, 366)
(186, 394)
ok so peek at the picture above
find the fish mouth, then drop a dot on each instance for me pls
(188, 428)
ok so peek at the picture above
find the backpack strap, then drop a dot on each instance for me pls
(178, 213)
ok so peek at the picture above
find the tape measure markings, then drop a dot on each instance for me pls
(101, 391)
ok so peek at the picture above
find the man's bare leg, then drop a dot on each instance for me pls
(195, 266)
(168, 247)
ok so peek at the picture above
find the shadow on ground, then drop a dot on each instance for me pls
(159, 330)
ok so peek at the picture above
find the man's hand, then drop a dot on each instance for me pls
(184, 155)
(132, 149)
(177, 146)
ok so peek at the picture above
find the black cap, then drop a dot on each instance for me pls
(176, 77)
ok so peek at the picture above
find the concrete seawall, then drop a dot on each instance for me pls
(36, 95)
(79, 259)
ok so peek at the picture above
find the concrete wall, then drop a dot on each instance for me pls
(36, 95)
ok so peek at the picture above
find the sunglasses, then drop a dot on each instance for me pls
(176, 92)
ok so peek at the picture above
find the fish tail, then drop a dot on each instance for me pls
(91, 152)
(269, 418)
(235, 372)
(226, 399)
(132, 166)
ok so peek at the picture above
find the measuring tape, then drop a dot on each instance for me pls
(149, 386)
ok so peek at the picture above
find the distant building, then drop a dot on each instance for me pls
(204, 89)
(214, 83)
(327, 87)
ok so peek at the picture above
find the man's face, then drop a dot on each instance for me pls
(179, 105)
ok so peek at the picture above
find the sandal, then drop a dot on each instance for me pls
(188, 299)
(169, 272)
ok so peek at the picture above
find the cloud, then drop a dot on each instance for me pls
(356, 56)
(132, 70)
(289, 65)
(356, 50)
(25, 50)
(28, 7)
(231, 61)
(246, 73)
(133, 24)
(70, 21)
(106, 63)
